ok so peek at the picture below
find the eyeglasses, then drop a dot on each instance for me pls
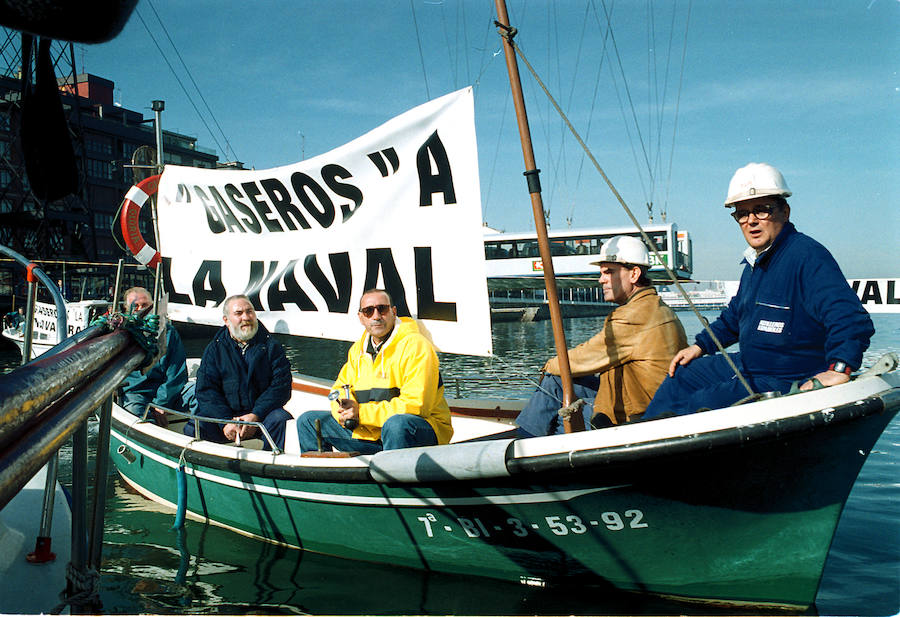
(368, 311)
(761, 212)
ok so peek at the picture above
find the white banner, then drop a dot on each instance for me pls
(878, 295)
(398, 208)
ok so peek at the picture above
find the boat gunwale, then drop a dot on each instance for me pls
(562, 460)
(702, 443)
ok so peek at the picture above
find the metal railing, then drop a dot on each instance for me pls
(197, 419)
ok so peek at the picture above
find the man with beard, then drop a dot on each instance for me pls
(244, 375)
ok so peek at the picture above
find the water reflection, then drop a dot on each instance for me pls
(149, 568)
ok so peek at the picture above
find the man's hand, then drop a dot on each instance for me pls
(684, 357)
(349, 410)
(827, 378)
(243, 430)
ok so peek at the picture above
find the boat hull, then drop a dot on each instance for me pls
(740, 516)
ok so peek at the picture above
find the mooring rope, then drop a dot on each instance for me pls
(84, 584)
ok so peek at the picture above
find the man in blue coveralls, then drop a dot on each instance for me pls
(794, 314)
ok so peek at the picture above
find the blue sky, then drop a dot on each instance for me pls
(811, 87)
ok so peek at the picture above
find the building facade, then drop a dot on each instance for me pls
(72, 238)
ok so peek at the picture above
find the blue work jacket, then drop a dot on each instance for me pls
(794, 312)
(163, 383)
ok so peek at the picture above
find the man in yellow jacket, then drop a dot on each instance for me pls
(619, 368)
(388, 394)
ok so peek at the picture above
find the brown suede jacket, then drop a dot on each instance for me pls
(631, 354)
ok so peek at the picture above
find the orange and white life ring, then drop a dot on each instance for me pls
(135, 198)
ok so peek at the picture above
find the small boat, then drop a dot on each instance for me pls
(736, 506)
(78, 316)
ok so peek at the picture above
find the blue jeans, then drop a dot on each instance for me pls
(540, 415)
(274, 422)
(707, 382)
(399, 431)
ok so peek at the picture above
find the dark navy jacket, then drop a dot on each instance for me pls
(163, 383)
(231, 384)
(794, 312)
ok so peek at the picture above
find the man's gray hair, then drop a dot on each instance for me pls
(231, 299)
(137, 289)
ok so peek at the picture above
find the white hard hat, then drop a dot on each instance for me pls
(623, 250)
(756, 180)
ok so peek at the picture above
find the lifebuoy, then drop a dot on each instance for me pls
(135, 198)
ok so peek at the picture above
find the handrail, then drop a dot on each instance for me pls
(42, 544)
(58, 300)
(46, 401)
(25, 392)
(197, 419)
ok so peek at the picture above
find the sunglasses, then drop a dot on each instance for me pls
(368, 311)
(761, 212)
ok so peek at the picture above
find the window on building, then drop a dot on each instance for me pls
(98, 145)
(99, 169)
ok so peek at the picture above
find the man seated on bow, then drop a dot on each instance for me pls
(244, 375)
(794, 315)
(389, 392)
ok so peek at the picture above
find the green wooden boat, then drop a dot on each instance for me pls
(735, 506)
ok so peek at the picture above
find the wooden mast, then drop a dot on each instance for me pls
(574, 421)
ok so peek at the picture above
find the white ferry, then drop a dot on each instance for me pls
(515, 255)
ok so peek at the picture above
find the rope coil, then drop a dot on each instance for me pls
(144, 330)
(84, 585)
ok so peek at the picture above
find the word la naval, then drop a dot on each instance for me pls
(268, 205)
(279, 285)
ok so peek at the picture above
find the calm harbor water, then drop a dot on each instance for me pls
(150, 569)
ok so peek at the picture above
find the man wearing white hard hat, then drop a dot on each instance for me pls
(795, 316)
(620, 367)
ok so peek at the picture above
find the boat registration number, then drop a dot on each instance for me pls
(562, 525)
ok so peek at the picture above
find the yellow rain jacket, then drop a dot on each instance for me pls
(404, 377)
(631, 354)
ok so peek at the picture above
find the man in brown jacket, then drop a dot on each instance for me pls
(619, 368)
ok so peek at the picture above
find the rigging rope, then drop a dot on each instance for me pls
(627, 90)
(171, 68)
(188, 71)
(677, 107)
(593, 104)
(509, 33)
(412, 8)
